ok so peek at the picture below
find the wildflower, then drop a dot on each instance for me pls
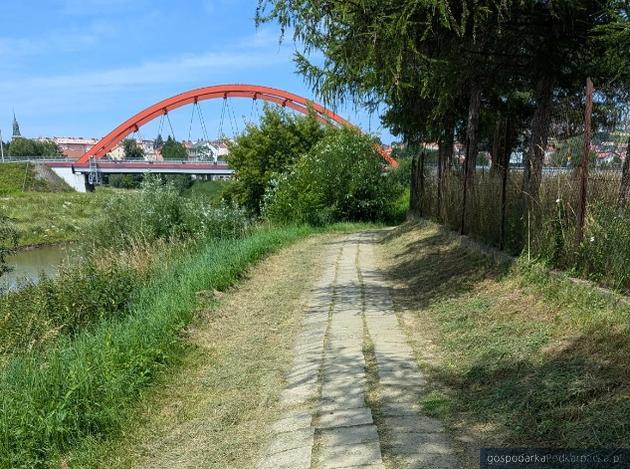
(592, 239)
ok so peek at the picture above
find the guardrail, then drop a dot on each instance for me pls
(35, 159)
(51, 159)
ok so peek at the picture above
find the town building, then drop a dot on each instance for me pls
(73, 147)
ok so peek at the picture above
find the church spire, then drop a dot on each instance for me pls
(16, 127)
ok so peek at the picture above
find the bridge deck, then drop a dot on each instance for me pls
(175, 167)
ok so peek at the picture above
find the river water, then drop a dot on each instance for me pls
(31, 264)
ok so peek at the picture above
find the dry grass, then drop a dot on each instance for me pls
(215, 409)
(515, 356)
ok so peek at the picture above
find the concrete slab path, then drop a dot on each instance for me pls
(351, 345)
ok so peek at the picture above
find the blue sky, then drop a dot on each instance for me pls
(80, 67)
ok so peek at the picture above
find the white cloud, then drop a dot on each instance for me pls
(97, 7)
(56, 42)
(178, 69)
(54, 93)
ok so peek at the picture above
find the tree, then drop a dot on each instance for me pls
(340, 178)
(264, 151)
(158, 143)
(174, 150)
(132, 150)
(471, 63)
(21, 146)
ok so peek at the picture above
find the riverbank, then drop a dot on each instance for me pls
(212, 408)
(96, 373)
(18, 178)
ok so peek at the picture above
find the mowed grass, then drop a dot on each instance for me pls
(215, 409)
(53, 217)
(515, 356)
(84, 387)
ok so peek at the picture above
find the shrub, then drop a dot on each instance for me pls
(158, 212)
(8, 241)
(341, 178)
(268, 149)
(125, 181)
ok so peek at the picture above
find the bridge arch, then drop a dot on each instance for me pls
(265, 93)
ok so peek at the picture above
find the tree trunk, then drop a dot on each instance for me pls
(583, 168)
(538, 144)
(472, 139)
(472, 130)
(624, 188)
(413, 199)
(508, 139)
(420, 182)
(498, 144)
(416, 202)
(445, 156)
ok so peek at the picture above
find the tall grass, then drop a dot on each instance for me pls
(54, 397)
(85, 292)
(26, 177)
(134, 236)
(47, 217)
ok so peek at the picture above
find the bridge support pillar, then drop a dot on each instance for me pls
(89, 187)
(77, 181)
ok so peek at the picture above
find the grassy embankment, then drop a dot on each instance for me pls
(43, 207)
(516, 356)
(215, 408)
(84, 385)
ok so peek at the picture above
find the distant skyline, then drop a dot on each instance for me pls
(81, 67)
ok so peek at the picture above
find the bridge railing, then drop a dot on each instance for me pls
(61, 159)
(36, 159)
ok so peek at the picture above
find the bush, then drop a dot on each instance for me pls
(125, 181)
(269, 149)
(8, 241)
(158, 212)
(212, 191)
(341, 179)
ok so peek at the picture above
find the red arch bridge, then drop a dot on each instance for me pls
(87, 170)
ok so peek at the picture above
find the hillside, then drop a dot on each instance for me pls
(16, 178)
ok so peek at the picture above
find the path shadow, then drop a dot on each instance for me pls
(529, 389)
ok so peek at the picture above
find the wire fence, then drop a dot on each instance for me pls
(579, 221)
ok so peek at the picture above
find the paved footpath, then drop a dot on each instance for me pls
(351, 348)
